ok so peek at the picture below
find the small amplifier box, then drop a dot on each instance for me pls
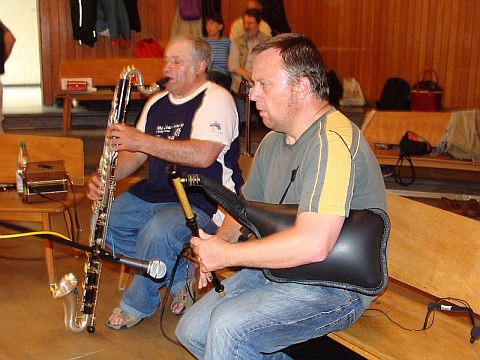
(77, 85)
(44, 181)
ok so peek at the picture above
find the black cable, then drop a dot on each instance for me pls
(431, 311)
(384, 313)
(74, 229)
(167, 295)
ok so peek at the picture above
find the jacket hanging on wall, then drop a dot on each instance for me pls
(83, 21)
(113, 21)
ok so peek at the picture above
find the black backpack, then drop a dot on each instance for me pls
(395, 95)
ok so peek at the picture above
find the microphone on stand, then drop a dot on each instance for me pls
(155, 268)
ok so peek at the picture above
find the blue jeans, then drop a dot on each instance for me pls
(257, 318)
(151, 231)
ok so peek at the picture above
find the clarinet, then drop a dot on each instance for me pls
(84, 318)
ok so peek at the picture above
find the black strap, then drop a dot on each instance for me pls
(292, 179)
(398, 169)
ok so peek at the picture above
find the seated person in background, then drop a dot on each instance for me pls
(236, 30)
(241, 57)
(193, 124)
(336, 172)
(220, 49)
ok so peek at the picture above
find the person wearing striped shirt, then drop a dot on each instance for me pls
(220, 45)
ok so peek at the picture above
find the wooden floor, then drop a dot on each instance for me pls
(33, 327)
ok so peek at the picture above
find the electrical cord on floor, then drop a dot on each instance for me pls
(385, 313)
(169, 287)
(431, 309)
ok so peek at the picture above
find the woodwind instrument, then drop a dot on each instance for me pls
(84, 317)
(174, 174)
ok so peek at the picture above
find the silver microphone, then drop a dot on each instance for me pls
(155, 268)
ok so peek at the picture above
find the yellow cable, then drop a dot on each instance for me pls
(33, 233)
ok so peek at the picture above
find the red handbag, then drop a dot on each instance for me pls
(426, 95)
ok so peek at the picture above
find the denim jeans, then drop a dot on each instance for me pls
(151, 231)
(257, 318)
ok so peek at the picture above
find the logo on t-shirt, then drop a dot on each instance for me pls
(216, 126)
(171, 132)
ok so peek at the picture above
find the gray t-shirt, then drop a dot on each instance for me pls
(336, 171)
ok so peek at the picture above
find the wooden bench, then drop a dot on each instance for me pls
(40, 148)
(105, 76)
(432, 254)
(386, 128)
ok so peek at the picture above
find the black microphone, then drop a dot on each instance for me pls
(155, 268)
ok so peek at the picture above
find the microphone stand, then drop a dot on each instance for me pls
(173, 172)
(248, 116)
(155, 269)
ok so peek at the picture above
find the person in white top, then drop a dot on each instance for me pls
(237, 25)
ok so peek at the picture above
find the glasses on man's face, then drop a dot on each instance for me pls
(249, 23)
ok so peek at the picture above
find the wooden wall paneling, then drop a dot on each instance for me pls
(370, 40)
(460, 57)
(417, 14)
(424, 21)
(450, 44)
(472, 53)
(459, 50)
(474, 76)
(382, 41)
(440, 34)
(429, 31)
(389, 48)
(401, 38)
(346, 51)
(331, 37)
(370, 45)
(314, 24)
(409, 46)
(232, 10)
(46, 58)
(374, 68)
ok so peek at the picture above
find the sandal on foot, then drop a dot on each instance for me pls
(185, 296)
(128, 320)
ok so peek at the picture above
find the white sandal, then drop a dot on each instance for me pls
(128, 320)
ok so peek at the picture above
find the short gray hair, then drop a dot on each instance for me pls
(200, 49)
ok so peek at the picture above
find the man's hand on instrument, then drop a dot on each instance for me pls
(123, 137)
(207, 250)
(95, 188)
